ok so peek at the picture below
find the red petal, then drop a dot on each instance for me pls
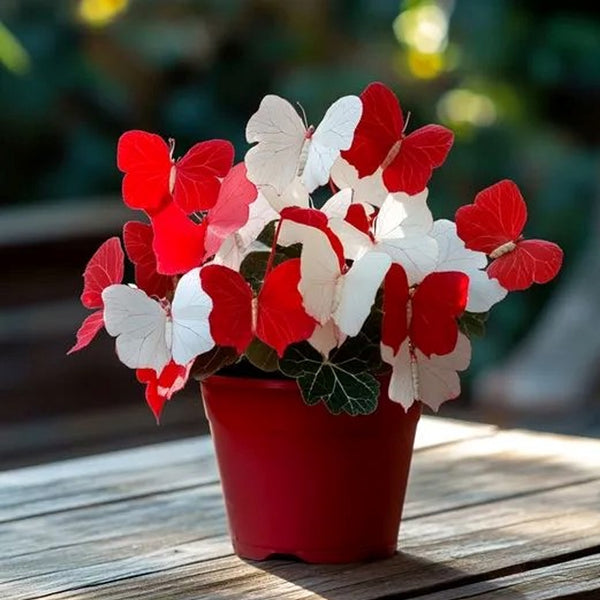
(497, 216)
(104, 268)
(533, 261)
(231, 317)
(420, 152)
(231, 210)
(394, 326)
(178, 242)
(198, 175)
(138, 238)
(160, 389)
(145, 160)
(358, 217)
(88, 330)
(439, 299)
(305, 216)
(281, 318)
(379, 128)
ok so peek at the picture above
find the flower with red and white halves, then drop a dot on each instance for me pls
(428, 379)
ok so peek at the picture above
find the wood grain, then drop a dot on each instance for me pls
(579, 578)
(152, 469)
(445, 550)
(150, 523)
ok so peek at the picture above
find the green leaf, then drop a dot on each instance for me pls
(267, 234)
(210, 362)
(473, 324)
(263, 357)
(253, 269)
(342, 382)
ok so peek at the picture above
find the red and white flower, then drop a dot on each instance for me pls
(233, 258)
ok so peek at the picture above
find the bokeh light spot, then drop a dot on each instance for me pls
(98, 13)
(424, 65)
(466, 107)
(423, 28)
(12, 54)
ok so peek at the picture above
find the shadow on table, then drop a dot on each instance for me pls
(401, 577)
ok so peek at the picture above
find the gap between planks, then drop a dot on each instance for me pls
(432, 469)
(578, 577)
(71, 484)
(417, 571)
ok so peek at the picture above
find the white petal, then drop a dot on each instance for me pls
(418, 255)
(436, 377)
(190, 309)
(337, 206)
(483, 292)
(403, 216)
(401, 383)
(402, 230)
(320, 273)
(280, 134)
(294, 194)
(453, 255)
(334, 133)
(140, 325)
(438, 380)
(239, 244)
(369, 189)
(355, 242)
(260, 215)
(358, 290)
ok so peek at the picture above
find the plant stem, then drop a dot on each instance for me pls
(273, 248)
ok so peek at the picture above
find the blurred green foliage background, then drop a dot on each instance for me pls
(519, 82)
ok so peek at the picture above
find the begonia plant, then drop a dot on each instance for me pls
(243, 264)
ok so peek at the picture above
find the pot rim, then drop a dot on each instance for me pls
(231, 381)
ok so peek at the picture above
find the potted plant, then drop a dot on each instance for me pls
(312, 293)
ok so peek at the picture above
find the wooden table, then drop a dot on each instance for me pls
(490, 514)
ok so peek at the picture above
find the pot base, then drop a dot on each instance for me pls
(334, 556)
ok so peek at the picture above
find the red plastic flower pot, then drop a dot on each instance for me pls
(300, 481)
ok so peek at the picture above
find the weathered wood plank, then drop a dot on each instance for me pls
(435, 431)
(145, 535)
(578, 578)
(440, 552)
(159, 468)
(105, 478)
(443, 478)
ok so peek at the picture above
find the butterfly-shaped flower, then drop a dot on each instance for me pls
(331, 290)
(286, 148)
(406, 160)
(153, 177)
(275, 316)
(426, 313)
(428, 379)
(494, 224)
(151, 333)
